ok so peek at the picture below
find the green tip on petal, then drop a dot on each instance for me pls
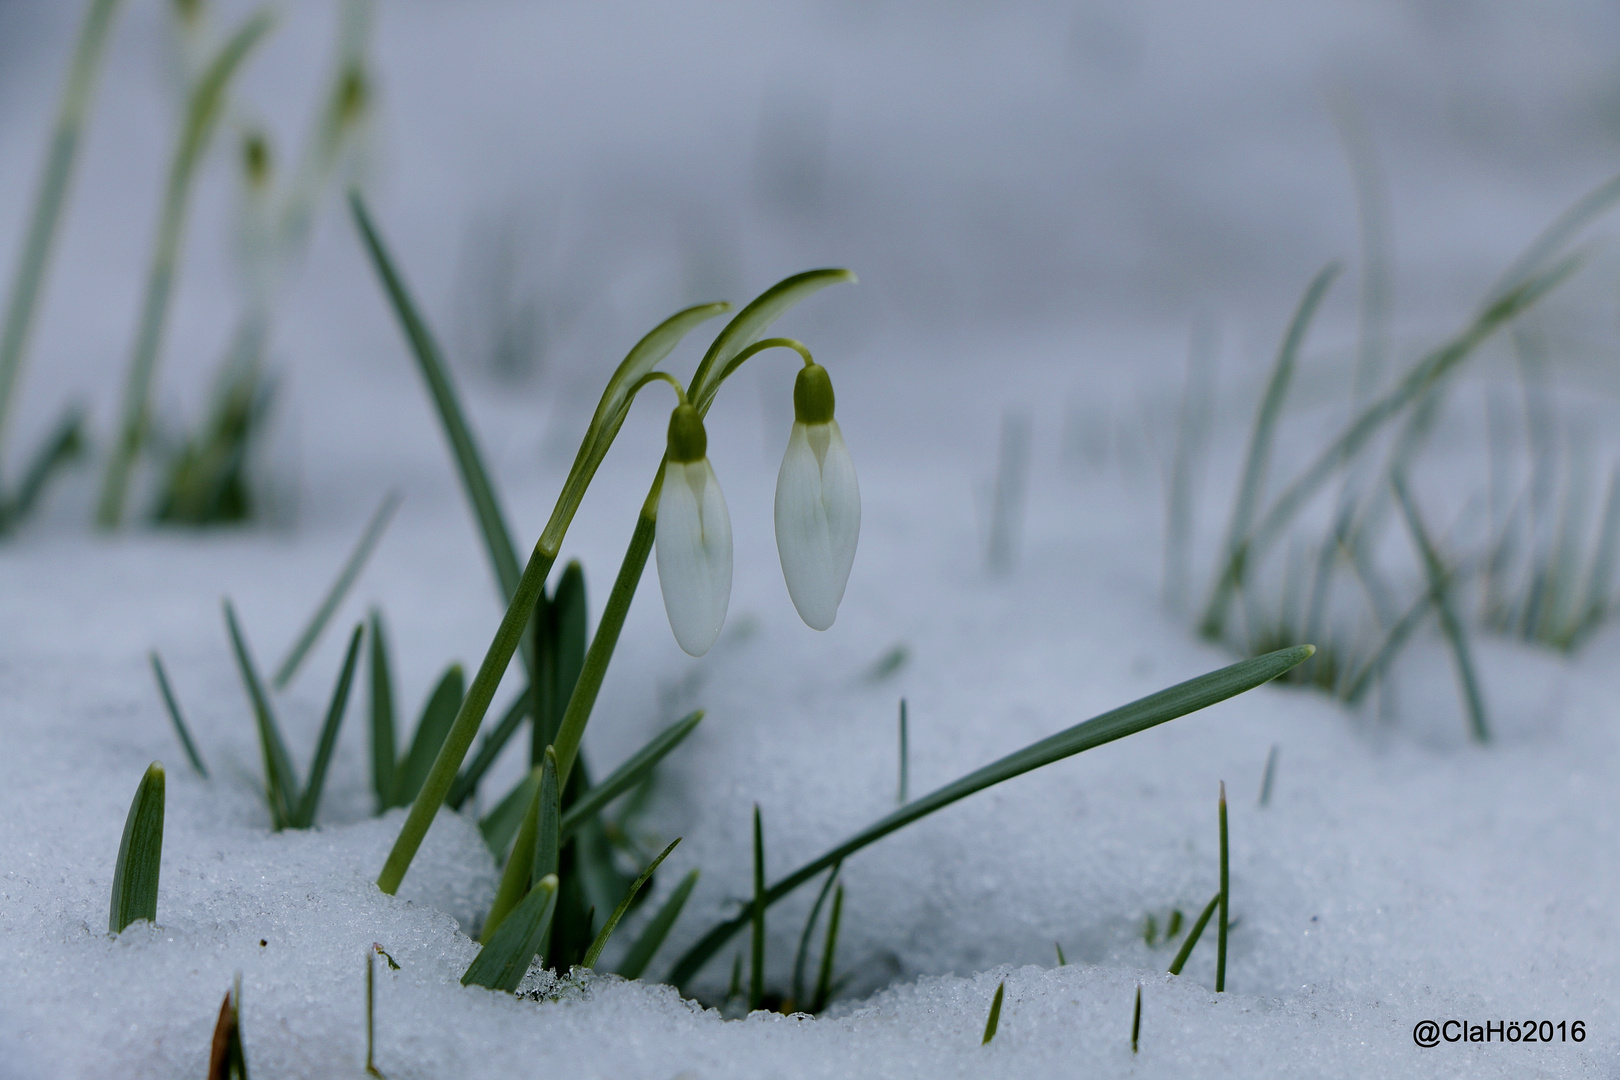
(812, 395)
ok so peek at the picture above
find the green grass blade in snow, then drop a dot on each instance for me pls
(994, 1020)
(490, 748)
(756, 967)
(304, 815)
(1449, 622)
(594, 953)
(504, 960)
(475, 479)
(518, 873)
(829, 954)
(1194, 934)
(1166, 705)
(135, 878)
(383, 748)
(280, 781)
(1226, 903)
(657, 929)
(340, 588)
(631, 773)
(49, 198)
(175, 718)
(437, 716)
(547, 837)
(61, 445)
(803, 953)
(500, 824)
(569, 639)
(203, 109)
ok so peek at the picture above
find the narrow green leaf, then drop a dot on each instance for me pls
(1194, 934)
(383, 746)
(304, 816)
(647, 943)
(568, 613)
(1062, 960)
(905, 756)
(475, 478)
(502, 823)
(175, 717)
(829, 954)
(547, 840)
(437, 716)
(1168, 704)
(994, 1019)
(1226, 903)
(749, 324)
(1265, 784)
(595, 952)
(61, 445)
(631, 773)
(135, 878)
(803, 952)
(280, 781)
(203, 109)
(756, 969)
(490, 748)
(49, 197)
(1136, 1019)
(504, 959)
(519, 871)
(340, 588)
(1449, 622)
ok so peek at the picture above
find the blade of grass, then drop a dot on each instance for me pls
(1194, 934)
(63, 444)
(504, 959)
(226, 1060)
(547, 839)
(1136, 1019)
(568, 613)
(1266, 780)
(140, 853)
(994, 1019)
(1449, 621)
(803, 953)
(49, 198)
(437, 716)
(1226, 904)
(829, 954)
(1062, 960)
(281, 782)
(499, 825)
(631, 773)
(1258, 459)
(203, 109)
(475, 478)
(1155, 709)
(175, 717)
(756, 968)
(340, 588)
(384, 750)
(371, 1009)
(595, 952)
(304, 815)
(490, 748)
(905, 756)
(657, 929)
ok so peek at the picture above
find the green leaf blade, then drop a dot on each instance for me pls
(437, 716)
(304, 817)
(281, 781)
(504, 960)
(140, 855)
(594, 953)
(175, 718)
(652, 936)
(631, 773)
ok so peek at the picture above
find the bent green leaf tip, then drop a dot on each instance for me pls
(135, 878)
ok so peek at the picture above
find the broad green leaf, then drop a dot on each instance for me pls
(437, 716)
(504, 960)
(518, 873)
(502, 823)
(140, 852)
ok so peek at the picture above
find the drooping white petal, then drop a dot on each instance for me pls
(694, 553)
(818, 520)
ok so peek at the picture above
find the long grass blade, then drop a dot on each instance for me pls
(1136, 1020)
(756, 967)
(384, 750)
(803, 953)
(829, 954)
(1155, 709)
(1449, 622)
(29, 279)
(1194, 934)
(504, 959)
(547, 837)
(62, 445)
(568, 642)
(475, 478)
(203, 110)
(905, 757)
(280, 780)
(1226, 903)
(340, 588)
(519, 871)
(631, 773)
(175, 718)
(647, 943)
(994, 1019)
(594, 953)
(304, 816)
(437, 716)
(488, 750)
(1258, 459)
(140, 853)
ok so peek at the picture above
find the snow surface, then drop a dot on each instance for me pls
(1037, 218)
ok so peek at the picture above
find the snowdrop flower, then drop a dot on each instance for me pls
(818, 503)
(693, 538)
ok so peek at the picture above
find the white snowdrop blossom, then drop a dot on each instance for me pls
(818, 504)
(693, 538)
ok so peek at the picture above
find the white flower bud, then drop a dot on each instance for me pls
(693, 540)
(818, 505)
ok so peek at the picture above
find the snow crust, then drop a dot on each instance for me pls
(1398, 873)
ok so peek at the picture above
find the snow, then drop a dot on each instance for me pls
(1171, 164)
